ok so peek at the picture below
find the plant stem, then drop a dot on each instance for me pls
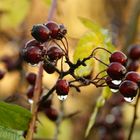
(134, 117)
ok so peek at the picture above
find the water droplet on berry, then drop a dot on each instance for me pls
(129, 99)
(114, 90)
(33, 65)
(62, 97)
(116, 82)
(30, 101)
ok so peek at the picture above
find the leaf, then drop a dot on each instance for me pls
(14, 116)
(10, 134)
(96, 37)
(14, 11)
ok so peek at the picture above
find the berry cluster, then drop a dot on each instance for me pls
(119, 74)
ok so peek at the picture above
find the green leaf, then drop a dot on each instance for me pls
(14, 11)
(96, 37)
(10, 134)
(14, 116)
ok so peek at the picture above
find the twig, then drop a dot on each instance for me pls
(134, 117)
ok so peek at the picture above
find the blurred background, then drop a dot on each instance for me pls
(120, 17)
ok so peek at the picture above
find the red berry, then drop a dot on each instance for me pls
(40, 32)
(128, 88)
(54, 53)
(32, 55)
(116, 70)
(51, 113)
(134, 52)
(118, 56)
(62, 87)
(31, 78)
(49, 67)
(30, 92)
(133, 76)
(110, 84)
(133, 66)
(54, 29)
(2, 73)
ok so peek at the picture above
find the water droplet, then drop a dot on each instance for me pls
(62, 97)
(33, 65)
(114, 90)
(129, 99)
(116, 82)
(30, 101)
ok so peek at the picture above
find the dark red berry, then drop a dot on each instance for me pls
(133, 66)
(118, 56)
(116, 70)
(128, 88)
(110, 84)
(2, 73)
(54, 53)
(134, 52)
(133, 76)
(54, 29)
(31, 78)
(40, 32)
(32, 55)
(30, 92)
(51, 113)
(49, 67)
(62, 87)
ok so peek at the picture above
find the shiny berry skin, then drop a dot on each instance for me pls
(62, 87)
(118, 56)
(32, 55)
(2, 73)
(134, 52)
(116, 70)
(31, 78)
(54, 53)
(110, 84)
(54, 29)
(133, 66)
(128, 88)
(49, 67)
(40, 32)
(133, 76)
(51, 113)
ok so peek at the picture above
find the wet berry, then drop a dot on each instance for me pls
(128, 88)
(134, 52)
(133, 76)
(2, 73)
(133, 66)
(54, 29)
(110, 84)
(49, 67)
(32, 55)
(40, 32)
(116, 70)
(118, 56)
(54, 53)
(62, 87)
(31, 78)
(51, 113)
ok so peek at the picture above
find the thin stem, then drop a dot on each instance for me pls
(134, 117)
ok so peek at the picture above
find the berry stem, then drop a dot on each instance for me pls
(134, 117)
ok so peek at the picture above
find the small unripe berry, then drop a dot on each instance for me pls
(128, 88)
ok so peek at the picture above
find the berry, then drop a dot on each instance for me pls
(30, 92)
(134, 52)
(2, 73)
(51, 113)
(54, 53)
(32, 55)
(110, 84)
(54, 29)
(128, 88)
(62, 87)
(116, 70)
(40, 32)
(118, 56)
(133, 66)
(45, 104)
(31, 78)
(133, 76)
(49, 67)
